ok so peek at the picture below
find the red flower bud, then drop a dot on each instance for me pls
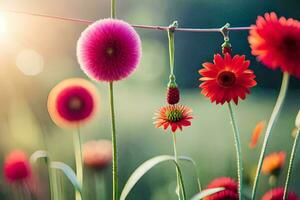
(173, 95)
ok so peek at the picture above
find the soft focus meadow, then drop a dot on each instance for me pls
(37, 53)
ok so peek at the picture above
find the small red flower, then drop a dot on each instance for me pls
(230, 192)
(72, 102)
(226, 79)
(175, 116)
(17, 167)
(277, 194)
(276, 42)
(97, 154)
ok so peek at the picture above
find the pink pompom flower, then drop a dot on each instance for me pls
(109, 50)
(17, 167)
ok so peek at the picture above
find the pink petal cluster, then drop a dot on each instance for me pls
(109, 50)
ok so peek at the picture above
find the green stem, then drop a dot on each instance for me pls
(78, 158)
(55, 185)
(273, 118)
(113, 9)
(176, 160)
(114, 143)
(50, 175)
(171, 49)
(100, 185)
(238, 150)
(290, 169)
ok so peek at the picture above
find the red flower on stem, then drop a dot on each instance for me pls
(276, 42)
(226, 79)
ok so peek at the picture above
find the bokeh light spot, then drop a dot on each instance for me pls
(30, 62)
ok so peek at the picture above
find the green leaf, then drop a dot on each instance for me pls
(143, 169)
(69, 173)
(188, 159)
(206, 193)
(38, 155)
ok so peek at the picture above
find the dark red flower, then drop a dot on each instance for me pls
(173, 95)
(277, 194)
(17, 167)
(230, 192)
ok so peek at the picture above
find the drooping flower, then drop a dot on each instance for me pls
(226, 79)
(97, 154)
(277, 194)
(72, 102)
(273, 163)
(109, 50)
(17, 167)
(257, 131)
(276, 42)
(230, 192)
(175, 116)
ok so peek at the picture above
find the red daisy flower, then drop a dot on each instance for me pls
(277, 194)
(72, 102)
(226, 79)
(276, 42)
(97, 154)
(175, 116)
(230, 192)
(17, 167)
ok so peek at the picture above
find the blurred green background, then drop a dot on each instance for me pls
(36, 53)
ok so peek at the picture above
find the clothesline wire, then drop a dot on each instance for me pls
(161, 28)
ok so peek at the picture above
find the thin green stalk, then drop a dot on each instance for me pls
(99, 186)
(113, 9)
(114, 143)
(273, 118)
(171, 46)
(55, 185)
(176, 160)
(290, 169)
(50, 176)
(237, 143)
(78, 159)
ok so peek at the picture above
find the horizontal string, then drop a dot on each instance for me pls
(161, 28)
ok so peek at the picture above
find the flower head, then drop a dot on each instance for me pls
(226, 79)
(109, 50)
(230, 192)
(276, 42)
(72, 102)
(277, 194)
(273, 163)
(97, 154)
(17, 167)
(175, 116)
(257, 131)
